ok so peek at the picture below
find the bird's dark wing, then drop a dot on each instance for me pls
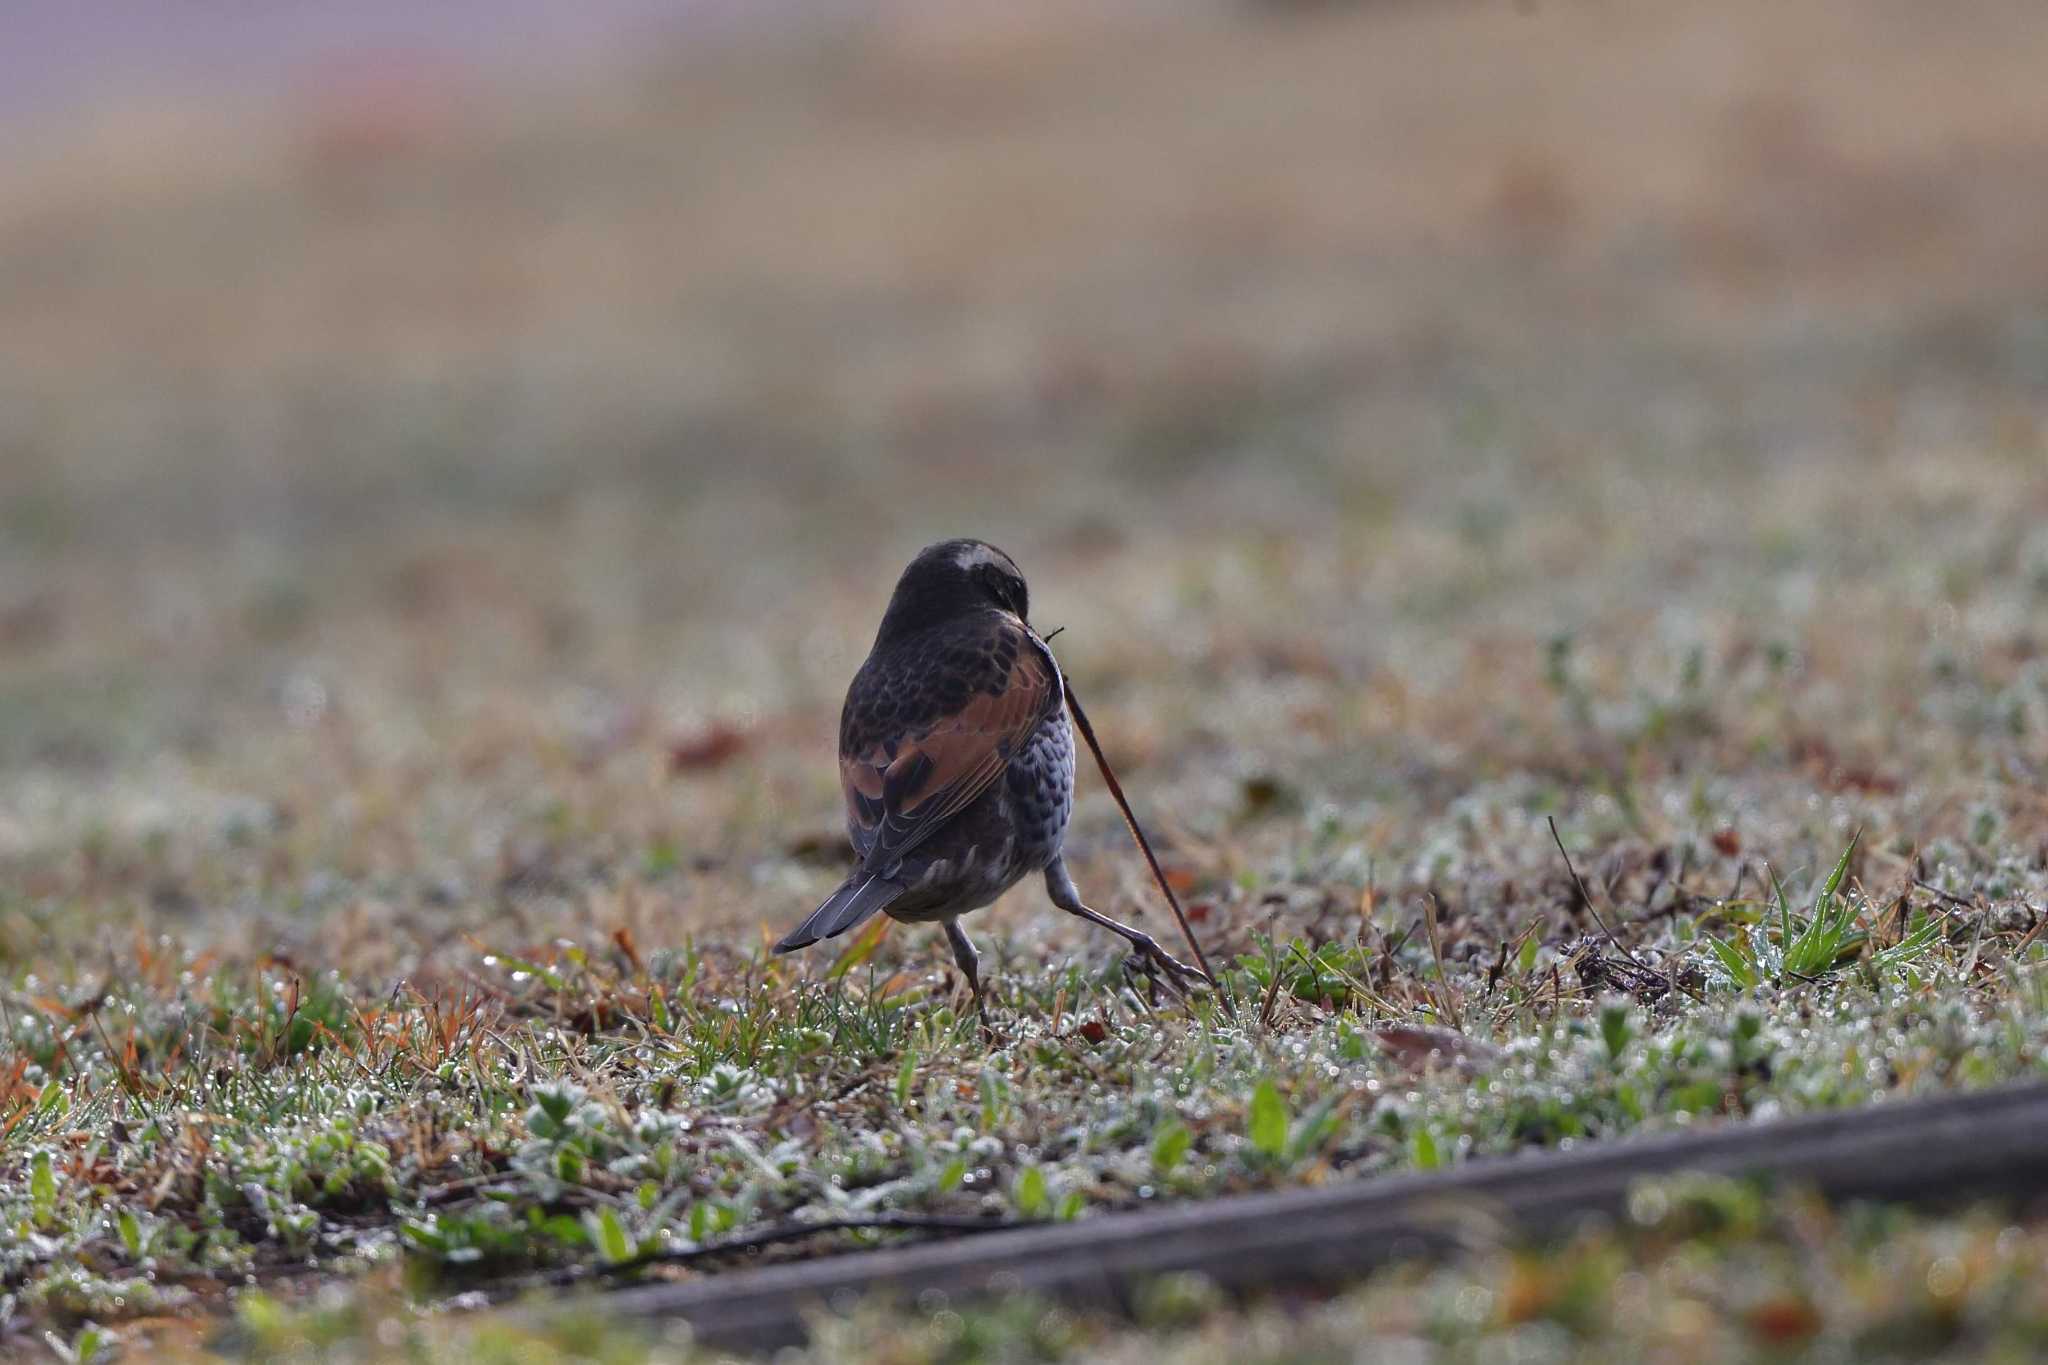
(927, 729)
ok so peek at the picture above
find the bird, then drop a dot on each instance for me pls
(956, 762)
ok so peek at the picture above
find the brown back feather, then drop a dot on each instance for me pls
(927, 730)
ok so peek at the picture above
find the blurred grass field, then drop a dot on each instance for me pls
(439, 516)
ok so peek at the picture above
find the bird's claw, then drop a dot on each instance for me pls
(1151, 960)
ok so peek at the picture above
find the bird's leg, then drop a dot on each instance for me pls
(963, 954)
(1060, 886)
(970, 967)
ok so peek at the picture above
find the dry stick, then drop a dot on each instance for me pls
(1591, 909)
(1946, 897)
(1116, 789)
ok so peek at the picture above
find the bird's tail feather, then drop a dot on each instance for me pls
(858, 897)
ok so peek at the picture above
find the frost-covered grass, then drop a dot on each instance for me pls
(190, 1133)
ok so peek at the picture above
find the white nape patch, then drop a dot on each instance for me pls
(974, 556)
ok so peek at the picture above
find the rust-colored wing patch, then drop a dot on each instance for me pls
(898, 791)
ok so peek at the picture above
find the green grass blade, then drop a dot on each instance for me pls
(1834, 882)
(1733, 962)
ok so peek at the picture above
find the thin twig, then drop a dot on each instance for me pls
(1683, 898)
(1271, 1000)
(2034, 932)
(1446, 1008)
(1591, 909)
(1145, 847)
(1947, 897)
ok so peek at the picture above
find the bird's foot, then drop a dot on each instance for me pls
(977, 1005)
(989, 1035)
(1151, 960)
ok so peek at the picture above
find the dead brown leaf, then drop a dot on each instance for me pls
(1420, 1048)
(711, 747)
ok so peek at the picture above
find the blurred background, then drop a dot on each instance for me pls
(452, 457)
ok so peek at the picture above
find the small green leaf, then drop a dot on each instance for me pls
(564, 1229)
(905, 1076)
(1422, 1150)
(518, 966)
(1614, 1028)
(1071, 1206)
(42, 1188)
(1784, 909)
(1169, 1145)
(700, 1222)
(609, 1236)
(1733, 962)
(426, 1235)
(955, 1172)
(1268, 1121)
(1742, 1040)
(1350, 1042)
(993, 1095)
(130, 1229)
(1314, 1129)
(1909, 947)
(1029, 1192)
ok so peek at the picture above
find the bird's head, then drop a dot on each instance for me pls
(954, 578)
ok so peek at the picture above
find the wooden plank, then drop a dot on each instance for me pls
(1993, 1143)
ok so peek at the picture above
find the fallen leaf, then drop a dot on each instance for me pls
(710, 747)
(1784, 1320)
(1419, 1048)
(623, 937)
